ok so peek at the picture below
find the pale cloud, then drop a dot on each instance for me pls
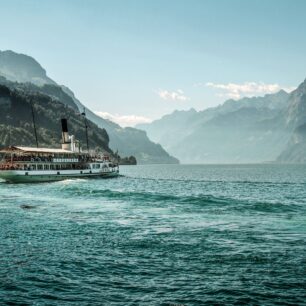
(177, 95)
(124, 120)
(247, 89)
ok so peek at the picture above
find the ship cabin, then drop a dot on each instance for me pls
(45, 159)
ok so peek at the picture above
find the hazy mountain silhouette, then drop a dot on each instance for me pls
(22, 68)
(254, 129)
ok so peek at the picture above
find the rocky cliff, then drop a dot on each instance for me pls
(295, 151)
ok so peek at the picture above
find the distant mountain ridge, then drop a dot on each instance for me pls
(257, 129)
(26, 74)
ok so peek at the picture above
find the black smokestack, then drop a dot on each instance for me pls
(65, 136)
(64, 125)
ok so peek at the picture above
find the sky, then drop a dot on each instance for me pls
(136, 60)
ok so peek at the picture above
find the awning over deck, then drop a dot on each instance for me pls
(18, 149)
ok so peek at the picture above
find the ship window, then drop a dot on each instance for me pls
(33, 167)
(39, 167)
(57, 167)
(51, 167)
(46, 167)
(98, 166)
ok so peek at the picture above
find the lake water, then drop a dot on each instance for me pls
(159, 235)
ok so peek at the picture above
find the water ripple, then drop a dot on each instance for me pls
(159, 235)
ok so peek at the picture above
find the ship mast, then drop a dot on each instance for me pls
(34, 125)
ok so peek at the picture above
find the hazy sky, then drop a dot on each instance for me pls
(138, 60)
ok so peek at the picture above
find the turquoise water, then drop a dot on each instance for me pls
(159, 235)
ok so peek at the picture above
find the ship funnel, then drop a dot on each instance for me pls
(65, 136)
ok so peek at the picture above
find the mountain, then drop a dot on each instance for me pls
(295, 150)
(16, 121)
(25, 74)
(170, 128)
(238, 131)
(22, 68)
(296, 112)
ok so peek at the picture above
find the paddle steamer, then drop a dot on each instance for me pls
(29, 164)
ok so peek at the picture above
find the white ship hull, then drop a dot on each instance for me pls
(20, 176)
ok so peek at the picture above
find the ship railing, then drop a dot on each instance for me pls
(44, 160)
(28, 159)
(40, 167)
(9, 166)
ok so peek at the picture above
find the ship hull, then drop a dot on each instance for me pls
(17, 176)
